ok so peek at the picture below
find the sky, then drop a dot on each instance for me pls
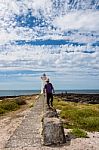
(45, 36)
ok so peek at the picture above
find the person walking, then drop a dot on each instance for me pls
(49, 90)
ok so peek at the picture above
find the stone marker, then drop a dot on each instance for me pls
(51, 113)
(53, 132)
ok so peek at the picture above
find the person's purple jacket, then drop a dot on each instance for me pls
(49, 88)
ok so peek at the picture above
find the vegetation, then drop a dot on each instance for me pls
(77, 115)
(8, 105)
(15, 103)
(78, 133)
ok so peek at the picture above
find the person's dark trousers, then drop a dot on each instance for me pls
(49, 99)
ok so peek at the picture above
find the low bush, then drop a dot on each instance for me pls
(2, 111)
(79, 133)
(77, 115)
(6, 106)
(90, 123)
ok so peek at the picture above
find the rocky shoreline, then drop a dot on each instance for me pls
(82, 98)
(72, 97)
(6, 97)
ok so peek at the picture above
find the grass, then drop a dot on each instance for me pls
(77, 115)
(15, 103)
(79, 133)
(8, 105)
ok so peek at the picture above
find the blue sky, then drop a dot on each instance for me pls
(43, 36)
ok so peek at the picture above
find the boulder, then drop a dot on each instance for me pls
(53, 132)
(51, 113)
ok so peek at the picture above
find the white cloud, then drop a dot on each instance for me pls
(80, 20)
(68, 61)
(63, 58)
(84, 21)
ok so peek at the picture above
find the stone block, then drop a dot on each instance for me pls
(51, 113)
(53, 132)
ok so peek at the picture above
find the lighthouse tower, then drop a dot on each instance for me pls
(43, 81)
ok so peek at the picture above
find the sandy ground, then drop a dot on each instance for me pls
(10, 121)
(8, 124)
(90, 143)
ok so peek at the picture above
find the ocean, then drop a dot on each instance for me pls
(31, 92)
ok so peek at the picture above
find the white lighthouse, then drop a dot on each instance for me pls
(43, 81)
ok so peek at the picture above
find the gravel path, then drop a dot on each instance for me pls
(28, 135)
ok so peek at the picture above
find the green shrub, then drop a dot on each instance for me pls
(79, 133)
(90, 123)
(68, 107)
(69, 114)
(9, 105)
(77, 115)
(62, 103)
(85, 119)
(2, 111)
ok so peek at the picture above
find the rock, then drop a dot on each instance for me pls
(51, 113)
(93, 102)
(53, 132)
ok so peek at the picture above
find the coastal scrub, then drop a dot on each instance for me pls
(79, 115)
(78, 133)
(8, 105)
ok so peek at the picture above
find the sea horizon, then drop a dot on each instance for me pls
(31, 92)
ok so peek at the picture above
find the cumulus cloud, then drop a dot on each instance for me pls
(56, 25)
(61, 58)
(79, 20)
